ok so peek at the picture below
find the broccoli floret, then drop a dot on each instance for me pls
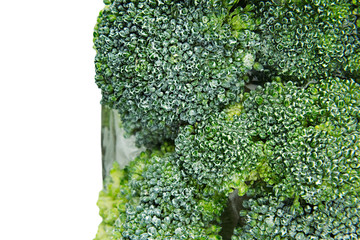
(270, 217)
(163, 64)
(117, 192)
(111, 201)
(170, 206)
(307, 39)
(299, 144)
(256, 107)
(290, 152)
(150, 199)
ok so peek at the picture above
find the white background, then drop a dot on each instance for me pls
(50, 155)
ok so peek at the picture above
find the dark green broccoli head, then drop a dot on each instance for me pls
(151, 199)
(166, 64)
(307, 39)
(269, 217)
(175, 70)
(299, 143)
(304, 141)
(291, 152)
(170, 206)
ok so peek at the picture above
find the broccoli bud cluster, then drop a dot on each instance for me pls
(270, 217)
(249, 111)
(165, 64)
(169, 206)
(307, 39)
(300, 146)
(291, 153)
(150, 199)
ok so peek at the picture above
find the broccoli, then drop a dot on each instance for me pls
(116, 193)
(169, 206)
(150, 199)
(308, 39)
(292, 152)
(283, 148)
(269, 217)
(109, 200)
(249, 112)
(163, 64)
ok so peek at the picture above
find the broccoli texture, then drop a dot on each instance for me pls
(269, 217)
(292, 152)
(150, 199)
(165, 64)
(170, 206)
(307, 39)
(117, 192)
(302, 140)
(110, 199)
(285, 146)
(249, 113)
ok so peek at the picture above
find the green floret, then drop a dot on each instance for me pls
(163, 64)
(221, 153)
(271, 218)
(307, 39)
(117, 192)
(111, 201)
(170, 206)
(300, 143)
(150, 199)
(250, 112)
(287, 156)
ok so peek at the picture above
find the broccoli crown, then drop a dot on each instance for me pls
(170, 206)
(301, 143)
(307, 39)
(150, 199)
(269, 217)
(304, 140)
(281, 159)
(117, 191)
(291, 152)
(165, 64)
